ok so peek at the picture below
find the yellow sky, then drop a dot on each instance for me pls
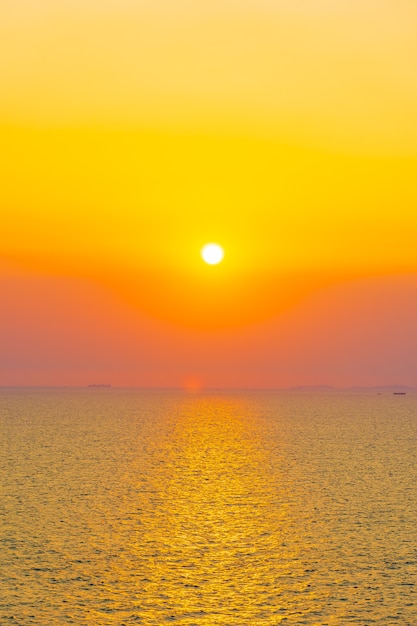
(335, 73)
(134, 132)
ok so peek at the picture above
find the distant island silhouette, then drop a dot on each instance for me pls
(100, 385)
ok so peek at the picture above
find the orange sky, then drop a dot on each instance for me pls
(133, 134)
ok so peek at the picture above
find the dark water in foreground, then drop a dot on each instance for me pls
(127, 507)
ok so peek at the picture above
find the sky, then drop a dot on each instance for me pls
(135, 132)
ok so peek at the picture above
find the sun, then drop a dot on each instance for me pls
(212, 253)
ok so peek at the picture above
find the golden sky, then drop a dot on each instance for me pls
(135, 132)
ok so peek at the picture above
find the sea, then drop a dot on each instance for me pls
(244, 508)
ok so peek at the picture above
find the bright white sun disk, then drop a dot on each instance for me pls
(212, 253)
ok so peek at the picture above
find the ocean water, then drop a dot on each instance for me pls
(128, 507)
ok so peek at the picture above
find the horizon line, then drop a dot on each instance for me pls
(202, 389)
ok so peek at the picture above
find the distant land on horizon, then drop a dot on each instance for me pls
(353, 388)
(296, 388)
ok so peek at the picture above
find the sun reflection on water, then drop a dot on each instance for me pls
(219, 523)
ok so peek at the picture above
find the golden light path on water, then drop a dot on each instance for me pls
(211, 510)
